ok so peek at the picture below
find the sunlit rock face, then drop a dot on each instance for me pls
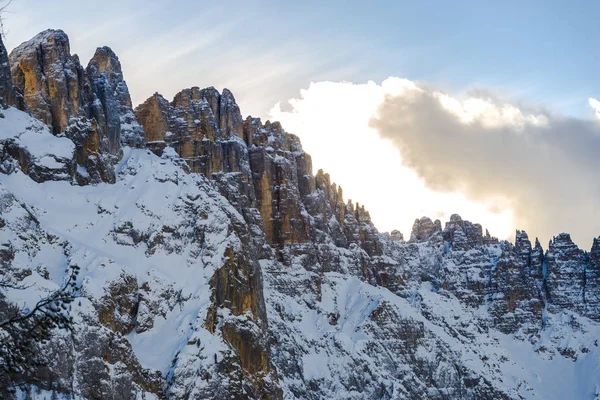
(203, 126)
(91, 106)
(216, 264)
(51, 80)
(265, 164)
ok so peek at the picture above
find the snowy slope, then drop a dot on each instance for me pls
(151, 248)
(167, 229)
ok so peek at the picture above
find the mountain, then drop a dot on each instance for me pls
(215, 264)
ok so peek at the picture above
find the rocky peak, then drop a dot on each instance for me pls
(200, 125)
(592, 283)
(112, 110)
(522, 244)
(473, 233)
(565, 278)
(49, 78)
(91, 106)
(562, 240)
(396, 236)
(424, 228)
(595, 252)
(270, 135)
(105, 61)
(153, 114)
(230, 118)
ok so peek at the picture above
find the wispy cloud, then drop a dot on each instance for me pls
(165, 47)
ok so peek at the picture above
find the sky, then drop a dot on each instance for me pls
(414, 108)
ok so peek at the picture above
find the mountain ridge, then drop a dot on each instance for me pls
(275, 270)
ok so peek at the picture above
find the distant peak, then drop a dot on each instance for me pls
(455, 218)
(105, 51)
(105, 60)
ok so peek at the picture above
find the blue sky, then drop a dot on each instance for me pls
(537, 51)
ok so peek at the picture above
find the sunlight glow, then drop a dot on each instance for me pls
(332, 120)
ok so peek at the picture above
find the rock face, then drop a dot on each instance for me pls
(517, 285)
(50, 79)
(203, 126)
(91, 106)
(591, 294)
(424, 229)
(8, 94)
(266, 164)
(216, 264)
(566, 274)
(113, 112)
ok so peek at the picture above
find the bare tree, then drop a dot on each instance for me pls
(3, 9)
(22, 329)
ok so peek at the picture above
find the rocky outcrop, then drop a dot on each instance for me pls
(51, 80)
(591, 293)
(203, 126)
(112, 108)
(238, 310)
(29, 146)
(464, 235)
(8, 95)
(516, 287)
(566, 274)
(118, 308)
(91, 106)
(424, 229)
(396, 235)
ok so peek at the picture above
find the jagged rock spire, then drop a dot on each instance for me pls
(92, 106)
(424, 228)
(49, 78)
(113, 110)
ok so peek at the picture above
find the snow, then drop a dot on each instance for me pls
(332, 329)
(35, 137)
(150, 194)
(512, 364)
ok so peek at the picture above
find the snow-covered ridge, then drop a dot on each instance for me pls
(251, 277)
(156, 237)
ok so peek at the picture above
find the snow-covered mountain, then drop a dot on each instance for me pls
(215, 264)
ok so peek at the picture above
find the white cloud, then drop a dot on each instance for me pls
(595, 104)
(542, 167)
(489, 114)
(332, 120)
(405, 151)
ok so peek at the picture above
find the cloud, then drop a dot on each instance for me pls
(595, 104)
(332, 120)
(541, 166)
